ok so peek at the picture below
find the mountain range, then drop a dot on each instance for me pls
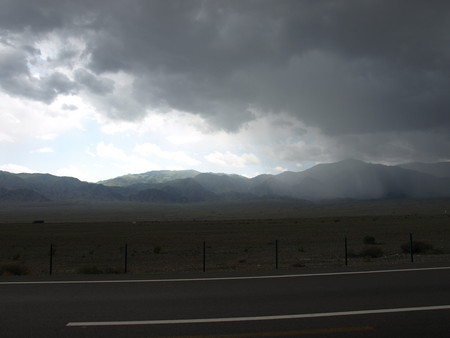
(348, 179)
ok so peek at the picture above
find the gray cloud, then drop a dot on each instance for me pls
(16, 78)
(39, 16)
(396, 147)
(13, 63)
(348, 67)
(96, 85)
(45, 90)
(356, 70)
(70, 107)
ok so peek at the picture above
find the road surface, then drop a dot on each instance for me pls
(385, 303)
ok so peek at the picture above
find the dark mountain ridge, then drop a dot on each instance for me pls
(348, 179)
(55, 188)
(178, 191)
(352, 179)
(21, 195)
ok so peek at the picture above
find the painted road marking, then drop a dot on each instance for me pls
(207, 279)
(284, 333)
(258, 318)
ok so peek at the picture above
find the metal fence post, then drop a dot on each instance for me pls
(276, 254)
(50, 269)
(126, 258)
(346, 251)
(204, 256)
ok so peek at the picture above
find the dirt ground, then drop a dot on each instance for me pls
(142, 238)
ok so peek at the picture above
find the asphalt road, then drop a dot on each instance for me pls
(386, 303)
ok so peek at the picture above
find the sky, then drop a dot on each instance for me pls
(96, 89)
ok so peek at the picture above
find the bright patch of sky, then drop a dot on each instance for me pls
(70, 138)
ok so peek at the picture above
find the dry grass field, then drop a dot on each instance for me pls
(91, 238)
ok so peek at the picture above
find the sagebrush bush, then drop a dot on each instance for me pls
(371, 252)
(418, 247)
(15, 269)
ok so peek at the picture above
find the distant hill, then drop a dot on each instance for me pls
(349, 179)
(440, 169)
(222, 183)
(21, 195)
(55, 188)
(151, 177)
(178, 191)
(50, 187)
(353, 179)
(11, 181)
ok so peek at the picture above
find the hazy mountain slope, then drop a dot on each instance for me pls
(38, 187)
(178, 191)
(349, 179)
(152, 196)
(345, 179)
(260, 179)
(188, 190)
(269, 185)
(21, 195)
(11, 181)
(150, 177)
(56, 187)
(358, 180)
(222, 183)
(440, 169)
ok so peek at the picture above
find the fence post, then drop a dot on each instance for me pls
(126, 258)
(50, 269)
(204, 256)
(411, 247)
(276, 254)
(346, 251)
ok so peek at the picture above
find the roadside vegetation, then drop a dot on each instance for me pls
(13, 269)
(91, 239)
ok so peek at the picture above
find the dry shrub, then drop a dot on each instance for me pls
(419, 247)
(371, 252)
(14, 269)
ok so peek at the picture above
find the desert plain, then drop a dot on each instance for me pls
(141, 238)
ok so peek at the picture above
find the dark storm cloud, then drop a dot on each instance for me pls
(395, 147)
(346, 67)
(38, 16)
(45, 90)
(350, 68)
(93, 83)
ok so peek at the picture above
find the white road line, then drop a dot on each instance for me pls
(259, 318)
(207, 279)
